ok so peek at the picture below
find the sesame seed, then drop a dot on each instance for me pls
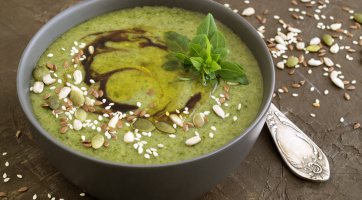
(75, 43)
(227, 115)
(5, 175)
(239, 106)
(353, 82)
(341, 120)
(99, 129)
(276, 17)
(83, 137)
(135, 145)
(34, 197)
(147, 156)
(312, 115)
(127, 124)
(312, 89)
(280, 90)
(174, 126)
(4, 154)
(196, 133)
(235, 11)
(6, 180)
(227, 5)
(138, 104)
(172, 136)
(160, 145)
(147, 115)
(91, 80)
(295, 95)
(155, 153)
(105, 115)
(63, 49)
(82, 194)
(325, 92)
(148, 151)
(52, 88)
(211, 135)
(6, 164)
(309, 71)
(213, 128)
(235, 118)
(19, 176)
(50, 55)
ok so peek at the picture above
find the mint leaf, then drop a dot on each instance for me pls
(218, 40)
(171, 65)
(207, 27)
(183, 59)
(176, 42)
(230, 70)
(208, 48)
(240, 79)
(200, 40)
(197, 62)
(222, 51)
(216, 57)
(195, 49)
(214, 66)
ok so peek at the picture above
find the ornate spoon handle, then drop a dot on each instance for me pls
(302, 156)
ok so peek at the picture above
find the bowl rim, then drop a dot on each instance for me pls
(32, 119)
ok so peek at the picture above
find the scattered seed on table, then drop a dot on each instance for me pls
(347, 96)
(357, 125)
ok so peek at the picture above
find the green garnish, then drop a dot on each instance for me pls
(203, 54)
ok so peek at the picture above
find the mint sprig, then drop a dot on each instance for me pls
(204, 54)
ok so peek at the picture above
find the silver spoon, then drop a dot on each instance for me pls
(302, 156)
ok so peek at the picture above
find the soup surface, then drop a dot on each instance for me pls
(127, 73)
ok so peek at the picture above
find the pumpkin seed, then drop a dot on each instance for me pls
(80, 115)
(53, 103)
(39, 72)
(199, 120)
(177, 120)
(143, 125)
(97, 141)
(358, 17)
(77, 98)
(328, 39)
(313, 48)
(165, 127)
(292, 61)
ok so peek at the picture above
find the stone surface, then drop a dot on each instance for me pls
(262, 175)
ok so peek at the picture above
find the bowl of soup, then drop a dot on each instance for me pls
(121, 117)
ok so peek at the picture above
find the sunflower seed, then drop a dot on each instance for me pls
(219, 111)
(338, 82)
(313, 62)
(192, 141)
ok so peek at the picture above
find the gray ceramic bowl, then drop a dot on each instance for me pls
(180, 180)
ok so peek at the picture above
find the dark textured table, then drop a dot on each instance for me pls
(262, 175)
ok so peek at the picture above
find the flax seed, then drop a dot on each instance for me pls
(97, 103)
(353, 27)
(23, 189)
(76, 60)
(271, 45)
(294, 3)
(85, 108)
(295, 16)
(63, 119)
(150, 91)
(360, 43)
(295, 85)
(95, 94)
(265, 12)
(334, 36)
(100, 93)
(345, 82)
(119, 124)
(346, 9)
(104, 127)
(185, 127)
(357, 25)
(55, 68)
(114, 136)
(285, 89)
(222, 100)
(70, 102)
(130, 118)
(46, 96)
(263, 21)
(137, 112)
(68, 109)
(351, 88)
(321, 59)
(90, 91)
(339, 30)
(226, 88)
(81, 52)
(299, 39)
(152, 105)
(65, 64)
(226, 96)
(258, 17)
(106, 144)
(330, 69)
(143, 113)
(351, 50)
(64, 123)
(304, 63)
(356, 126)
(190, 124)
(322, 51)
(66, 105)
(58, 89)
(106, 111)
(88, 145)
(205, 119)
(58, 111)
(321, 2)
(309, 5)
(347, 96)
(112, 130)
(64, 129)
(291, 72)
(269, 41)
(349, 35)
(18, 133)
(91, 109)
(50, 66)
(291, 47)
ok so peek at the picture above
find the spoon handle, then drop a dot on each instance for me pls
(302, 156)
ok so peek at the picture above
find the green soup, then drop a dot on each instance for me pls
(129, 65)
